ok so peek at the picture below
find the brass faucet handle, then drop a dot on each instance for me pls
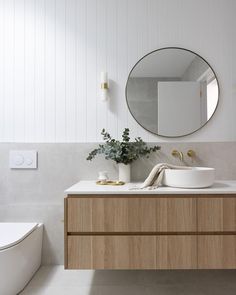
(191, 153)
(178, 154)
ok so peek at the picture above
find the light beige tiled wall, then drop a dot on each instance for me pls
(37, 195)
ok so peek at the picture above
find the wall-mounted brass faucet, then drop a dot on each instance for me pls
(191, 154)
(178, 154)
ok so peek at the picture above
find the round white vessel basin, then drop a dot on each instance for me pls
(197, 177)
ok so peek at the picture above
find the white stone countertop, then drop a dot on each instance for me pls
(90, 187)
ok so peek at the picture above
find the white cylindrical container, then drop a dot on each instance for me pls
(124, 172)
(103, 176)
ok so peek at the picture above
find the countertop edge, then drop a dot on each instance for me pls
(83, 188)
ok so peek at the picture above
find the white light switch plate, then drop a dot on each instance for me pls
(23, 159)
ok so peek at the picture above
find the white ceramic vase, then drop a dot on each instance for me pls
(124, 172)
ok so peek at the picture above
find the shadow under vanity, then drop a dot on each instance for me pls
(168, 228)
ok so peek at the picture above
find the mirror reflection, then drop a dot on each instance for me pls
(172, 92)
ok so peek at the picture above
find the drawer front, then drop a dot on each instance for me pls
(176, 214)
(217, 252)
(131, 214)
(132, 252)
(176, 252)
(111, 252)
(111, 215)
(216, 214)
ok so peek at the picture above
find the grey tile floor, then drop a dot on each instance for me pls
(50, 280)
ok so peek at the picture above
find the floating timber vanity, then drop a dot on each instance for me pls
(167, 228)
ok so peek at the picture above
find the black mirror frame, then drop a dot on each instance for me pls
(163, 48)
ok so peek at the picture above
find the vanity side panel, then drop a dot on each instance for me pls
(176, 214)
(217, 214)
(217, 252)
(176, 252)
(112, 252)
(65, 235)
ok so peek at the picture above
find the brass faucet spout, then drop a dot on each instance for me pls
(178, 154)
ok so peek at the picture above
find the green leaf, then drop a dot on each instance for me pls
(122, 151)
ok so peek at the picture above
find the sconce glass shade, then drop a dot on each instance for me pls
(104, 86)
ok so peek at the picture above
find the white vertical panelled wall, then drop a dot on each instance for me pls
(52, 53)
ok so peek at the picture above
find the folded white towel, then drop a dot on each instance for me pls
(155, 177)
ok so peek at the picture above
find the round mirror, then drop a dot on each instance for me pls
(172, 92)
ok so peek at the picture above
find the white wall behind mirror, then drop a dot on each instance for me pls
(52, 53)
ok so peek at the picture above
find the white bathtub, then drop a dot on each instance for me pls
(20, 255)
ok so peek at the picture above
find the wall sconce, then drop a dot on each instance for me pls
(104, 86)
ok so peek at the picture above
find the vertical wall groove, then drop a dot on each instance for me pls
(52, 53)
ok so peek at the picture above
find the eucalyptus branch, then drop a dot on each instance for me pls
(122, 151)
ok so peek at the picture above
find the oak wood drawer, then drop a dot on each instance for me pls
(217, 252)
(111, 214)
(128, 214)
(216, 214)
(111, 252)
(176, 214)
(132, 252)
(176, 252)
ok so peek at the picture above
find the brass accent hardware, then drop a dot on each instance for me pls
(178, 154)
(104, 85)
(191, 153)
(109, 182)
